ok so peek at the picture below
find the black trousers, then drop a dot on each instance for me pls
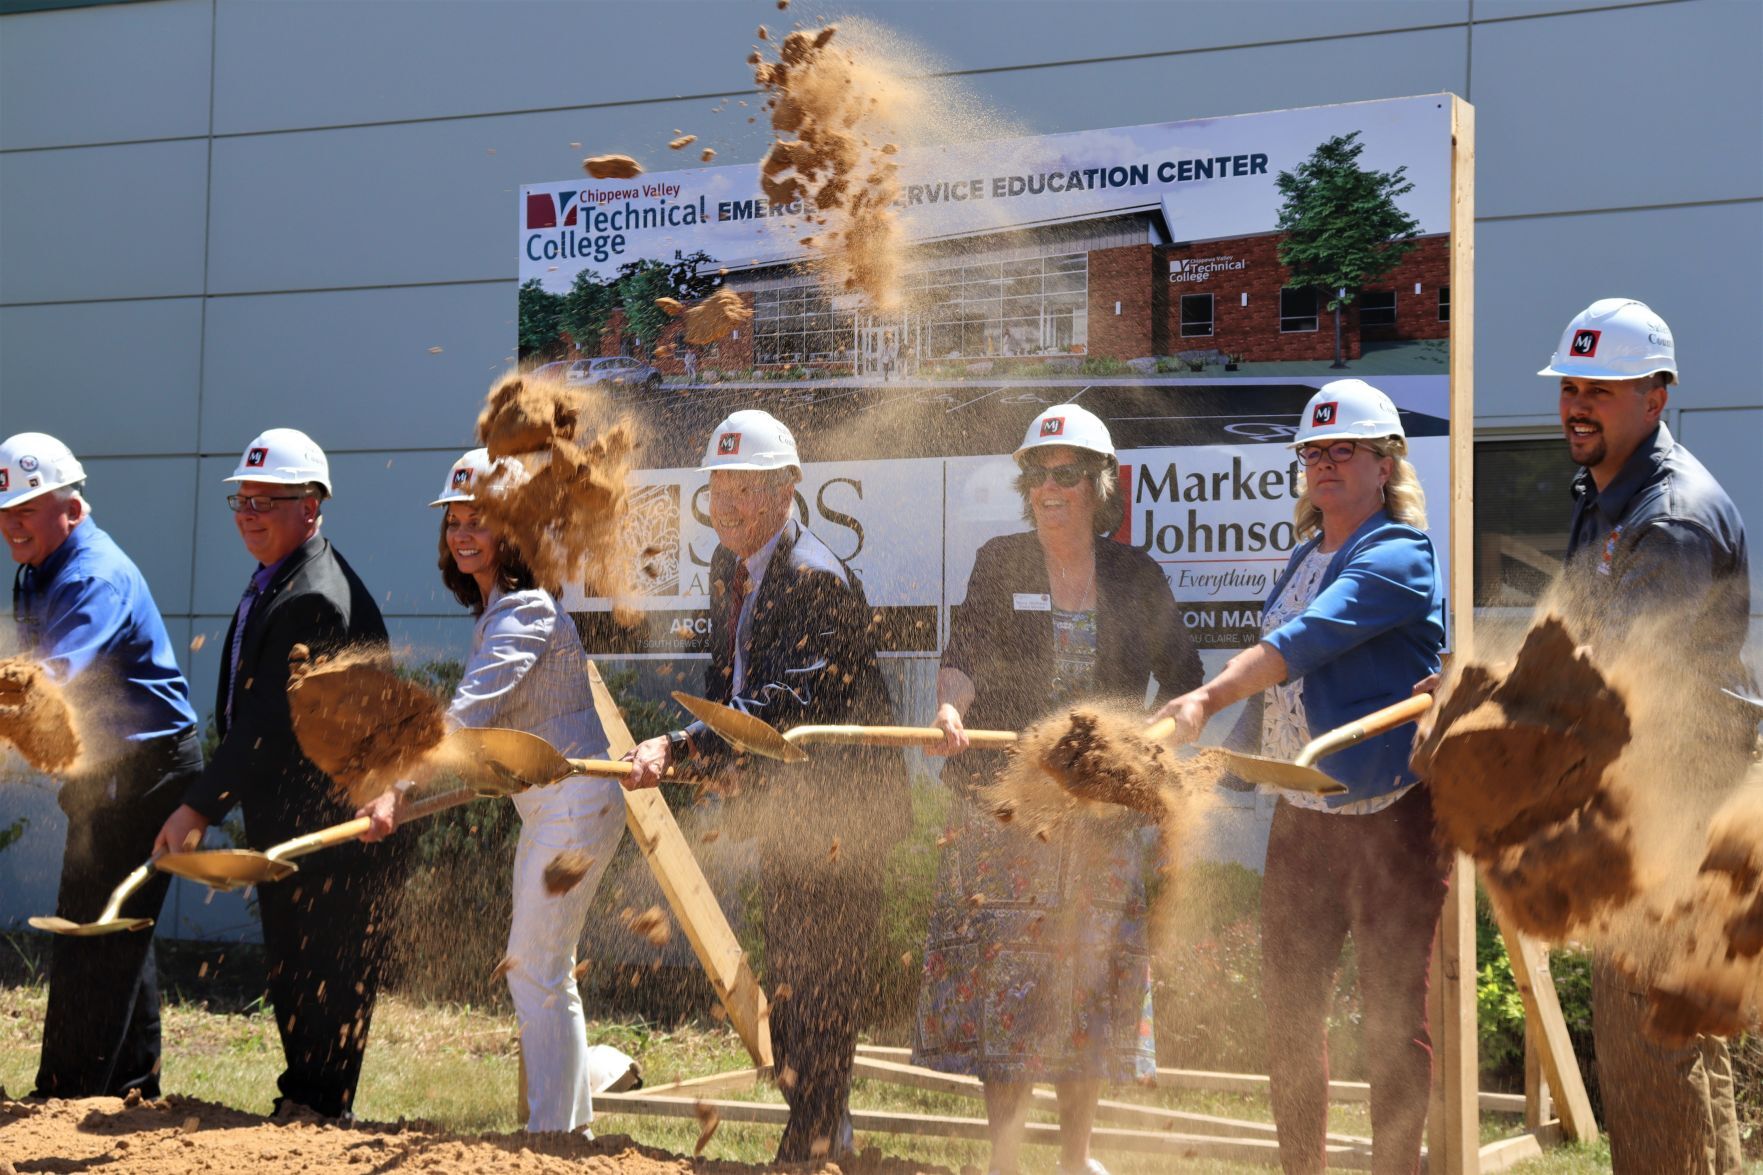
(101, 1029)
(821, 917)
(326, 935)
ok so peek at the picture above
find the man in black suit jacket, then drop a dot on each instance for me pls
(792, 643)
(325, 930)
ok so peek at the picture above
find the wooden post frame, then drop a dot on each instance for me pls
(694, 906)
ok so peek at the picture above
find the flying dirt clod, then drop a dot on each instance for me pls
(35, 716)
(358, 721)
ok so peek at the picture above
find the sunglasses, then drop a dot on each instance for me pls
(1339, 453)
(259, 503)
(1064, 476)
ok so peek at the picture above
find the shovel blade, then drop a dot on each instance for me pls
(88, 929)
(1279, 773)
(225, 869)
(741, 730)
(515, 760)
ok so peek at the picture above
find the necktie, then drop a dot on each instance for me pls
(239, 618)
(736, 597)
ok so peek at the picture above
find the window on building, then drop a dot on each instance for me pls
(1297, 310)
(1031, 306)
(1523, 502)
(1377, 308)
(1444, 303)
(797, 324)
(1196, 315)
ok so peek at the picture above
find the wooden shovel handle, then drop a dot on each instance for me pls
(337, 834)
(612, 769)
(894, 736)
(1376, 722)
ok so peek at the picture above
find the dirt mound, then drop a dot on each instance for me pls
(1519, 760)
(829, 109)
(563, 500)
(360, 722)
(715, 317)
(178, 1135)
(35, 717)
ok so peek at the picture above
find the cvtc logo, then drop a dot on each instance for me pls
(1053, 426)
(1585, 343)
(728, 444)
(551, 209)
(1324, 414)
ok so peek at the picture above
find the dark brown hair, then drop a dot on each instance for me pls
(512, 573)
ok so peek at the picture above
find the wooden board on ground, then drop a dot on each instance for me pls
(688, 894)
(1112, 1112)
(1156, 1142)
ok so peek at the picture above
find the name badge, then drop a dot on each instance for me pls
(1033, 602)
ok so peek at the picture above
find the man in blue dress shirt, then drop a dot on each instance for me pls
(85, 615)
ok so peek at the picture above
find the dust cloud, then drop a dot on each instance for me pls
(358, 721)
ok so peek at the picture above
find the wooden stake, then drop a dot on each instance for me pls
(694, 906)
(1542, 1014)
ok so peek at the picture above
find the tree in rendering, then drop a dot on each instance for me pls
(1343, 227)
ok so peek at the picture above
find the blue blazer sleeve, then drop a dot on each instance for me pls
(1385, 582)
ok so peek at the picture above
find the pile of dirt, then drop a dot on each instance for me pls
(35, 717)
(360, 722)
(1519, 758)
(828, 109)
(562, 501)
(179, 1135)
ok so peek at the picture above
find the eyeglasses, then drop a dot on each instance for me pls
(259, 503)
(1339, 453)
(1065, 476)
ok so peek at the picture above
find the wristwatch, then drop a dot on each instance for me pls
(679, 746)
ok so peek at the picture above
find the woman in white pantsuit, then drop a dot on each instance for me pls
(527, 671)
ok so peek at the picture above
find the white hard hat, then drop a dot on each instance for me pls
(472, 467)
(32, 464)
(1347, 410)
(1614, 338)
(468, 474)
(751, 439)
(283, 457)
(1069, 425)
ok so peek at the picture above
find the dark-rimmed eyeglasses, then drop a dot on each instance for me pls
(258, 503)
(1064, 476)
(1338, 453)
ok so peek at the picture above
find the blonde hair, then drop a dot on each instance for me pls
(1403, 499)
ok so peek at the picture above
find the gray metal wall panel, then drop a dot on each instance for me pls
(354, 367)
(1696, 266)
(105, 75)
(1728, 442)
(106, 377)
(144, 503)
(103, 222)
(428, 202)
(1494, 10)
(1234, 81)
(380, 60)
(1547, 141)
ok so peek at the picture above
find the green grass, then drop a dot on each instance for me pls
(456, 1067)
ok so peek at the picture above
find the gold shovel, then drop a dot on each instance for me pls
(108, 920)
(1301, 774)
(227, 869)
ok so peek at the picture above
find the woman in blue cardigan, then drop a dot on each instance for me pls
(1351, 625)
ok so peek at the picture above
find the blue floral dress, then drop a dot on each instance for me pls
(1037, 966)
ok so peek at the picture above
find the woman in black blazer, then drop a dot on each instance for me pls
(1037, 966)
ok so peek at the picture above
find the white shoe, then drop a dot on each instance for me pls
(1090, 1167)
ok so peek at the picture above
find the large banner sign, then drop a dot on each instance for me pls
(1143, 272)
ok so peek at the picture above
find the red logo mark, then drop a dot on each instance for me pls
(1585, 343)
(728, 444)
(1053, 426)
(256, 457)
(1324, 414)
